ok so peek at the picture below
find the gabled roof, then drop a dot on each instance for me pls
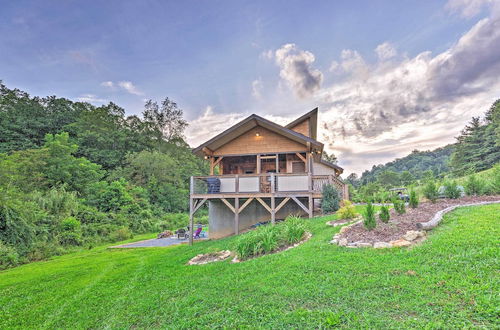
(332, 165)
(312, 116)
(248, 123)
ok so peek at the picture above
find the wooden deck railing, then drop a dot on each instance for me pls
(263, 183)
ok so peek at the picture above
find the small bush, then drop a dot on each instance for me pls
(347, 211)
(121, 234)
(451, 189)
(494, 185)
(8, 256)
(399, 205)
(71, 233)
(474, 186)
(369, 216)
(413, 202)
(431, 191)
(266, 239)
(384, 214)
(330, 200)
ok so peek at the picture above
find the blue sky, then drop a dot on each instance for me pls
(221, 60)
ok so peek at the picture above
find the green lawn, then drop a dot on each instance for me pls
(451, 281)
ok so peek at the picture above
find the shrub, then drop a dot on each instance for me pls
(347, 211)
(384, 214)
(399, 205)
(431, 191)
(330, 199)
(294, 229)
(8, 256)
(474, 186)
(121, 234)
(494, 184)
(369, 216)
(266, 239)
(451, 189)
(413, 202)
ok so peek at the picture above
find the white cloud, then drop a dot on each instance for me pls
(296, 69)
(385, 51)
(257, 88)
(107, 84)
(90, 98)
(267, 55)
(129, 87)
(467, 8)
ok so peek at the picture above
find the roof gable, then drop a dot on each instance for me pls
(248, 123)
(312, 118)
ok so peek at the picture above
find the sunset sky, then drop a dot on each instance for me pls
(388, 77)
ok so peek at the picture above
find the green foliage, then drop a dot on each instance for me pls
(399, 205)
(474, 186)
(451, 189)
(388, 179)
(414, 200)
(494, 185)
(121, 234)
(369, 217)
(8, 256)
(384, 214)
(430, 191)
(347, 211)
(269, 238)
(330, 199)
(478, 146)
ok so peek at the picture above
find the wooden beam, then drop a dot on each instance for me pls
(198, 205)
(283, 202)
(258, 164)
(236, 216)
(191, 225)
(248, 201)
(264, 204)
(299, 203)
(300, 156)
(228, 204)
(277, 164)
(311, 206)
(273, 210)
(207, 151)
(268, 157)
(218, 161)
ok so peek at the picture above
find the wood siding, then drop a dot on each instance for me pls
(302, 127)
(322, 169)
(266, 142)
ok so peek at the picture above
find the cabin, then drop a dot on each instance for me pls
(261, 171)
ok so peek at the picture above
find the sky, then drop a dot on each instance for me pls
(388, 77)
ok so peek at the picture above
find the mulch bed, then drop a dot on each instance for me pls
(398, 225)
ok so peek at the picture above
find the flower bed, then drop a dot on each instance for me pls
(400, 226)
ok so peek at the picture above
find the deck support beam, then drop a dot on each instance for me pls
(236, 216)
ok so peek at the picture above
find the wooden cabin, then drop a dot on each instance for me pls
(260, 171)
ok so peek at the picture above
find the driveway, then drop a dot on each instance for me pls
(155, 242)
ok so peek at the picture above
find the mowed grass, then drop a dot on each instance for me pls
(450, 281)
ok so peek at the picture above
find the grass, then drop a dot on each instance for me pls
(450, 281)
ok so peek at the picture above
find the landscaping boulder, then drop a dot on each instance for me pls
(400, 243)
(382, 245)
(412, 235)
(343, 242)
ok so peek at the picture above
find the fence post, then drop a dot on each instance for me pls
(273, 184)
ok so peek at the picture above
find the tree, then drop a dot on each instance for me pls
(389, 179)
(331, 199)
(165, 122)
(407, 178)
(329, 157)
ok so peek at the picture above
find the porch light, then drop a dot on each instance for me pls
(206, 157)
(257, 134)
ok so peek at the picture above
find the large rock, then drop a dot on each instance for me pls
(400, 243)
(343, 242)
(411, 235)
(382, 245)
(363, 244)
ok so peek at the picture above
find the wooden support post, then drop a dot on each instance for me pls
(236, 216)
(277, 163)
(273, 183)
(308, 162)
(258, 164)
(237, 183)
(248, 201)
(273, 210)
(283, 202)
(191, 185)
(311, 206)
(191, 216)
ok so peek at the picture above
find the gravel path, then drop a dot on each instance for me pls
(155, 242)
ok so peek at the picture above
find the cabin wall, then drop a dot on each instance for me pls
(322, 169)
(266, 142)
(221, 218)
(302, 128)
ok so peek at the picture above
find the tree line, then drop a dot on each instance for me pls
(73, 174)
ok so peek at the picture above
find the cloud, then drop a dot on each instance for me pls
(296, 69)
(385, 51)
(267, 55)
(107, 84)
(210, 124)
(129, 87)
(467, 8)
(90, 98)
(257, 88)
